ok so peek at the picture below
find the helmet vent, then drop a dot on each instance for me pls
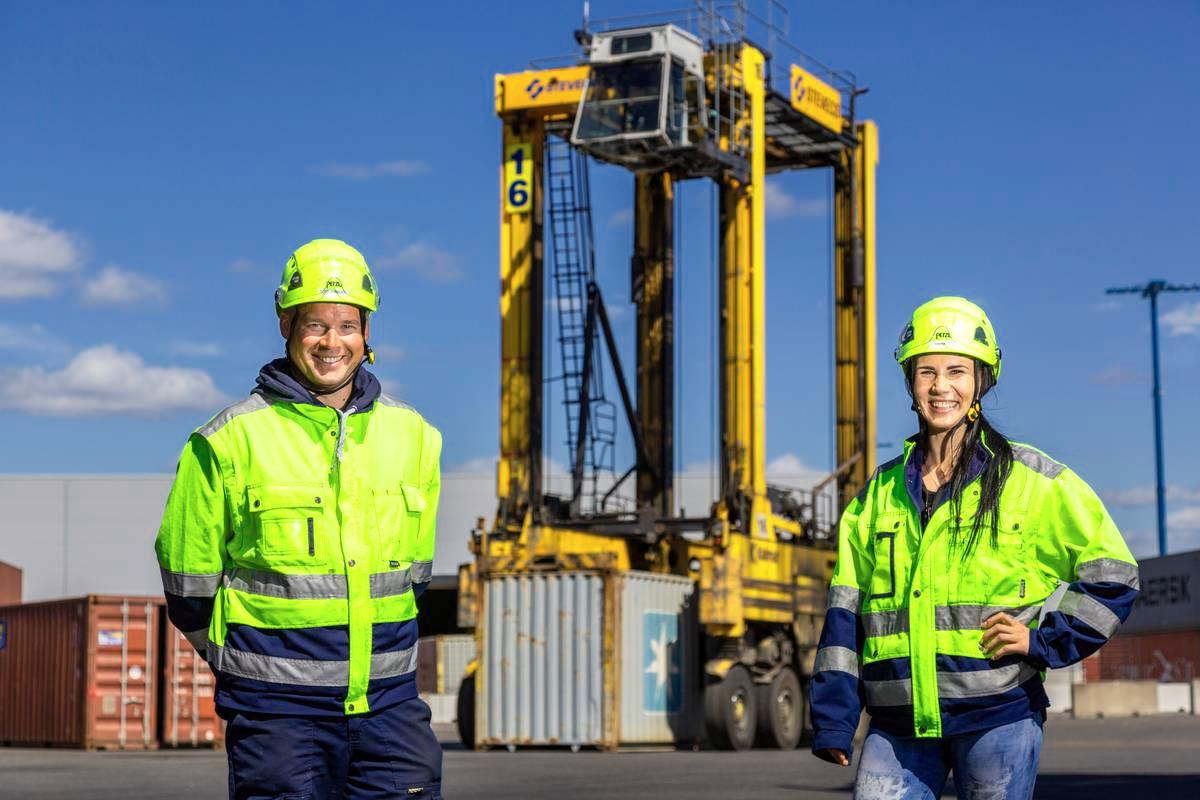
(297, 280)
(981, 336)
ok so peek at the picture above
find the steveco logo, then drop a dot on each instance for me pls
(824, 102)
(537, 86)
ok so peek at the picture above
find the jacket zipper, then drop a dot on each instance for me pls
(312, 542)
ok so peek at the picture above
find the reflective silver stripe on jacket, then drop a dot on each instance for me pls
(885, 623)
(840, 659)
(422, 571)
(951, 685)
(306, 671)
(199, 639)
(1037, 461)
(313, 587)
(390, 584)
(972, 617)
(254, 402)
(847, 597)
(287, 587)
(1091, 611)
(1108, 570)
(181, 584)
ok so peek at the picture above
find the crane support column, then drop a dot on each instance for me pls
(653, 292)
(854, 311)
(518, 474)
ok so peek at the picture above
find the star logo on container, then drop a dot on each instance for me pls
(799, 89)
(534, 88)
(661, 689)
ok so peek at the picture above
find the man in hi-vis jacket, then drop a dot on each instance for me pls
(296, 538)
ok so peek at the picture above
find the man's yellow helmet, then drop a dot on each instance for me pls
(950, 325)
(327, 271)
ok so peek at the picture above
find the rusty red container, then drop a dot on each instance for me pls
(10, 584)
(1166, 657)
(80, 672)
(188, 713)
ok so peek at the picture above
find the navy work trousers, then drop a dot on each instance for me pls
(385, 754)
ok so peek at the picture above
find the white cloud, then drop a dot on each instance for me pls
(484, 465)
(427, 260)
(33, 337)
(117, 287)
(391, 387)
(366, 172)
(1183, 320)
(242, 265)
(389, 352)
(778, 203)
(33, 256)
(1116, 375)
(1139, 496)
(620, 218)
(196, 349)
(105, 380)
(788, 468)
(1185, 519)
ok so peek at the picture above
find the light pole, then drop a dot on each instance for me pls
(1152, 291)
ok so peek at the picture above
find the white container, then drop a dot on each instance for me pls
(658, 657)
(442, 662)
(588, 659)
(1175, 698)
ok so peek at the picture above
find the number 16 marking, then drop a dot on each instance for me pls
(517, 194)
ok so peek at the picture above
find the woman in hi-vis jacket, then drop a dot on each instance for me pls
(937, 620)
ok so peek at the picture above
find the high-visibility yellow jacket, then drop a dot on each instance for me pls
(902, 632)
(291, 544)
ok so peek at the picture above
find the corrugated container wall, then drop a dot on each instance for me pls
(80, 672)
(1162, 657)
(542, 678)
(585, 659)
(658, 654)
(442, 662)
(188, 713)
(10, 584)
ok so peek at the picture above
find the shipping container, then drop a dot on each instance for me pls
(1166, 601)
(188, 715)
(1165, 657)
(10, 584)
(80, 672)
(442, 662)
(588, 659)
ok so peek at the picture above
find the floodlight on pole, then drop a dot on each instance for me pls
(1152, 291)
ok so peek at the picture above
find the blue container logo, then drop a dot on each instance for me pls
(662, 681)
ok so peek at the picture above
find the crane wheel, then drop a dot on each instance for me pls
(465, 708)
(729, 710)
(780, 710)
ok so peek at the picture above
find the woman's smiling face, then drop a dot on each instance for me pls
(943, 387)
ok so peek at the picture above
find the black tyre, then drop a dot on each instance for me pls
(780, 710)
(466, 711)
(729, 711)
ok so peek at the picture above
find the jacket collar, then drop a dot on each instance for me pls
(277, 383)
(914, 458)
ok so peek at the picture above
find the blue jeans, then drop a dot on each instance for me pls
(386, 754)
(996, 764)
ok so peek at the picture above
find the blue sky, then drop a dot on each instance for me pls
(159, 161)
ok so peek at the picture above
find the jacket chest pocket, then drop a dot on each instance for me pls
(398, 510)
(887, 537)
(996, 573)
(288, 522)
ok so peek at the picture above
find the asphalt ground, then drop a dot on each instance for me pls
(1148, 758)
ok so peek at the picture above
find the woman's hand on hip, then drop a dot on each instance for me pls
(1003, 636)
